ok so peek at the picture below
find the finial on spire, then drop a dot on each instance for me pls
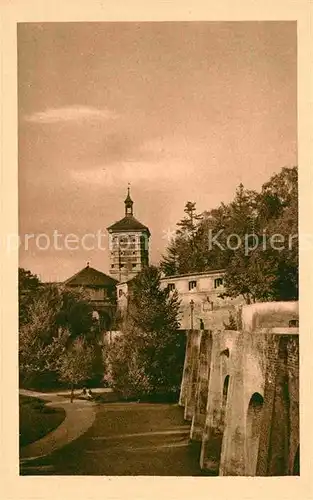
(88, 264)
(128, 202)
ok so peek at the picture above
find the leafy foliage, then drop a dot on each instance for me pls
(75, 365)
(148, 357)
(259, 269)
(53, 317)
(37, 357)
(28, 287)
(183, 253)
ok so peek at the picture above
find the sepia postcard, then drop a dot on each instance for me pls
(157, 243)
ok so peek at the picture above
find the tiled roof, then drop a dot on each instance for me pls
(128, 223)
(90, 277)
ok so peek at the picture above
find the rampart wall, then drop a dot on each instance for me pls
(240, 391)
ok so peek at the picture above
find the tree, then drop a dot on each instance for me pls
(75, 365)
(55, 318)
(267, 271)
(37, 358)
(73, 310)
(28, 287)
(148, 358)
(188, 225)
(257, 269)
(279, 193)
(183, 254)
(151, 307)
(27, 280)
(40, 340)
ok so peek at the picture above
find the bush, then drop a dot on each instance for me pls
(140, 367)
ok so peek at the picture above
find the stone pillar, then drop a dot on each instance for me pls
(186, 369)
(232, 458)
(190, 400)
(213, 428)
(198, 420)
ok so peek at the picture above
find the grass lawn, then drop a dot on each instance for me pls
(37, 419)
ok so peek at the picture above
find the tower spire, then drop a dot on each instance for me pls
(128, 202)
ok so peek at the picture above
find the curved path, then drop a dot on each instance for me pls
(80, 415)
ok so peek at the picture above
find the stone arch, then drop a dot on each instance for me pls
(296, 463)
(253, 426)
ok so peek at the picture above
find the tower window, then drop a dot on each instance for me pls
(112, 265)
(120, 293)
(192, 285)
(134, 265)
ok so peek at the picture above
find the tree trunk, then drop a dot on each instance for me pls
(72, 393)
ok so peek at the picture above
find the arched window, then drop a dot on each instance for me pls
(225, 352)
(224, 401)
(254, 417)
(225, 387)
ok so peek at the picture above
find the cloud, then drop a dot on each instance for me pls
(132, 171)
(71, 114)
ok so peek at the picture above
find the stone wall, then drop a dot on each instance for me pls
(209, 306)
(206, 296)
(240, 390)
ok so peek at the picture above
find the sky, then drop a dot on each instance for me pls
(183, 111)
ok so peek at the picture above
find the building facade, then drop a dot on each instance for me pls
(201, 302)
(101, 290)
(128, 244)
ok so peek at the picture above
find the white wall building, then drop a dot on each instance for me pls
(199, 293)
